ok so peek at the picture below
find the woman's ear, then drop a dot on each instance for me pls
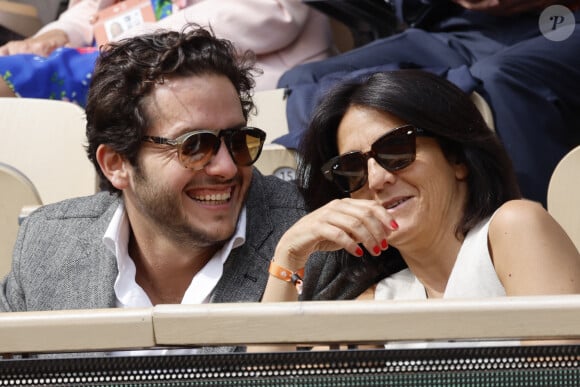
(461, 170)
(114, 166)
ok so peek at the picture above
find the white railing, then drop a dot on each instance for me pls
(328, 322)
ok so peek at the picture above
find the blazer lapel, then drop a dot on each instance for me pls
(246, 270)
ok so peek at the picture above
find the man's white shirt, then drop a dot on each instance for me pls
(130, 295)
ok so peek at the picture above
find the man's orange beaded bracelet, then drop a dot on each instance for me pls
(294, 277)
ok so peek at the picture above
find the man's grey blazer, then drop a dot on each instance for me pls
(60, 261)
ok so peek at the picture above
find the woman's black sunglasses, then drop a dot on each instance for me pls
(393, 151)
(195, 149)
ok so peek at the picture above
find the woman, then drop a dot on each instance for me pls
(401, 170)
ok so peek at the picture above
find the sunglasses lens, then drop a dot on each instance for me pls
(349, 171)
(396, 150)
(245, 145)
(197, 149)
(393, 151)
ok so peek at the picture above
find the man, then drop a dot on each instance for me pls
(183, 216)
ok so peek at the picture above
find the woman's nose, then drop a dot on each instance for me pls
(378, 176)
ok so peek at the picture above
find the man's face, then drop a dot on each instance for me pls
(189, 206)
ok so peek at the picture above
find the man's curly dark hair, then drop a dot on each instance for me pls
(127, 71)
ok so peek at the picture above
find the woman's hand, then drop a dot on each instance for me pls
(341, 224)
(41, 45)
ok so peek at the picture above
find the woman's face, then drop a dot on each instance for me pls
(427, 196)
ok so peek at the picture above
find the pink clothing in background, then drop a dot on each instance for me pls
(282, 33)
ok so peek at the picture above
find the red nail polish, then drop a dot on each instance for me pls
(359, 252)
(384, 244)
(377, 249)
(394, 224)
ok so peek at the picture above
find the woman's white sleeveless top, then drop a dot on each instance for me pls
(472, 276)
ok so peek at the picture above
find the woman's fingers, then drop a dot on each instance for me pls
(349, 224)
(366, 222)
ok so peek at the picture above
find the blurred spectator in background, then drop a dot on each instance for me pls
(57, 62)
(520, 55)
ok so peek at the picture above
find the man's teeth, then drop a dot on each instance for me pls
(214, 197)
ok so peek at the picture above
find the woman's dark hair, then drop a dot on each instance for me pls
(427, 101)
(127, 71)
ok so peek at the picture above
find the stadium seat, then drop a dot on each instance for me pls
(17, 191)
(564, 194)
(270, 116)
(45, 140)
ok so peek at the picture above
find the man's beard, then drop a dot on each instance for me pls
(163, 207)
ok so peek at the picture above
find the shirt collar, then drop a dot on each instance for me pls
(130, 294)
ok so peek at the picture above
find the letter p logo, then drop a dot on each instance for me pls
(557, 23)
